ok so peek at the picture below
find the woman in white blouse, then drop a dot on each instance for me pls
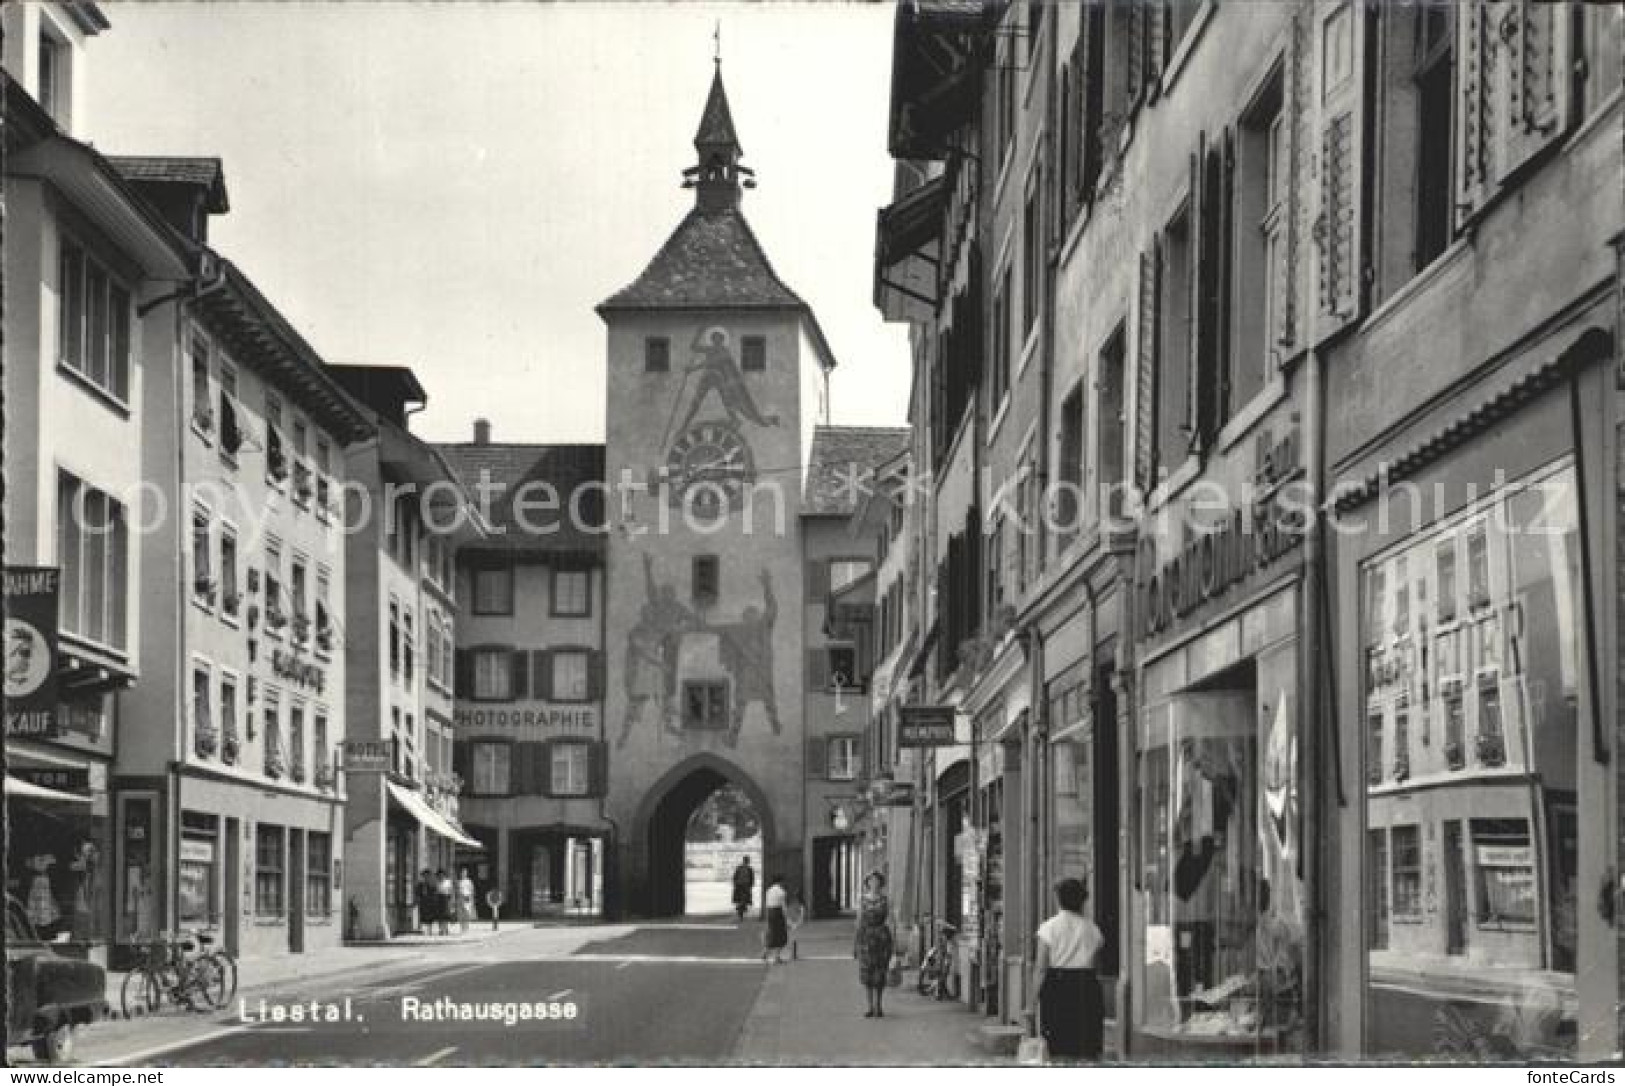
(778, 928)
(1071, 1013)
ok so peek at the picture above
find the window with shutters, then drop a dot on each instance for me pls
(1257, 288)
(1086, 103)
(843, 754)
(570, 678)
(490, 766)
(1124, 60)
(1172, 350)
(568, 768)
(493, 674)
(493, 589)
(705, 703)
(572, 593)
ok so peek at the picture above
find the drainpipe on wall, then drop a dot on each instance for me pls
(1311, 771)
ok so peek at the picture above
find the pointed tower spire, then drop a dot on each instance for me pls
(718, 177)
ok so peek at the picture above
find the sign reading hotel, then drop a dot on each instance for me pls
(368, 756)
(1247, 538)
(926, 726)
(535, 716)
(30, 635)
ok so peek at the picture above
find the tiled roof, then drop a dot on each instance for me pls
(843, 465)
(712, 260)
(206, 173)
(495, 473)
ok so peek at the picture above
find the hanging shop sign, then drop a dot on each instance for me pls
(368, 756)
(1247, 539)
(529, 716)
(890, 793)
(297, 670)
(30, 632)
(927, 726)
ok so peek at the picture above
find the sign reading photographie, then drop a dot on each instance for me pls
(927, 726)
(30, 632)
(552, 718)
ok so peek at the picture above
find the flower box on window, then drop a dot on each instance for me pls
(230, 748)
(1492, 750)
(276, 461)
(208, 740)
(301, 628)
(275, 619)
(274, 765)
(204, 589)
(1454, 756)
(230, 602)
(1402, 768)
(296, 773)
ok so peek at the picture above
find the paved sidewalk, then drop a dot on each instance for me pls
(810, 1012)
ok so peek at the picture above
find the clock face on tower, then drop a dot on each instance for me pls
(709, 466)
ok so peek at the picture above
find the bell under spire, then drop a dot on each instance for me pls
(718, 178)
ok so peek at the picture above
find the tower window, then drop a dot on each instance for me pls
(657, 354)
(707, 574)
(753, 353)
(705, 704)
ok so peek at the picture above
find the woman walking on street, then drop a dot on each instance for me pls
(465, 901)
(872, 942)
(778, 927)
(1070, 1011)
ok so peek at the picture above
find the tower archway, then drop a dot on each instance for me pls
(663, 821)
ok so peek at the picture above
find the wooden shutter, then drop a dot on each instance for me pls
(1133, 13)
(541, 672)
(462, 665)
(817, 758)
(1476, 69)
(595, 675)
(817, 669)
(1193, 302)
(1340, 230)
(1145, 376)
(598, 769)
(1156, 45)
(1294, 110)
(1539, 49)
(1221, 281)
(519, 669)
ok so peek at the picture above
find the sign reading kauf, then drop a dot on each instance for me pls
(927, 726)
(30, 648)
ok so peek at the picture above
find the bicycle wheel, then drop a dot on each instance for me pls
(228, 975)
(140, 993)
(207, 983)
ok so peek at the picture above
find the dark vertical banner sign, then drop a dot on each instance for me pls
(30, 650)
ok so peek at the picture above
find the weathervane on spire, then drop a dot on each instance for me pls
(716, 38)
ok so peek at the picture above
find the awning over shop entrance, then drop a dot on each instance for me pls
(25, 790)
(436, 822)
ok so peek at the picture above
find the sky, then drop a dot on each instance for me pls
(455, 186)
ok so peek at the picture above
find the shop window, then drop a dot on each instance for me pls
(197, 872)
(705, 704)
(842, 753)
(1406, 843)
(318, 874)
(1504, 865)
(572, 593)
(269, 883)
(753, 353)
(493, 590)
(93, 553)
(491, 766)
(568, 768)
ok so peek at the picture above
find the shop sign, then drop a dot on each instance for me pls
(1247, 539)
(927, 726)
(30, 629)
(197, 850)
(59, 778)
(368, 756)
(297, 670)
(532, 716)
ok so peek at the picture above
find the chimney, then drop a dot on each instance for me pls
(482, 431)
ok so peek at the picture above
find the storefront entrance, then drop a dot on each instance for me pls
(555, 872)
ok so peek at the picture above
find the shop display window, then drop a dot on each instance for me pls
(1473, 855)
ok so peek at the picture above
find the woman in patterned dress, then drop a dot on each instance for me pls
(872, 943)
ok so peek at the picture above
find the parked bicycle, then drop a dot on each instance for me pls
(183, 970)
(937, 978)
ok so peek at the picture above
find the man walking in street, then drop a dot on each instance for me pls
(744, 887)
